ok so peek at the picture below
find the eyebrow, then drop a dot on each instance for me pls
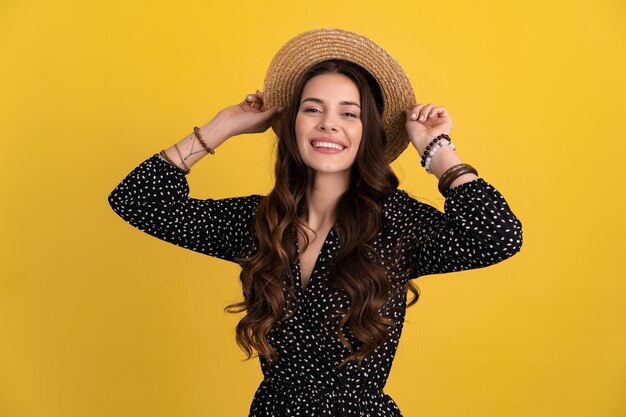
(344, 102)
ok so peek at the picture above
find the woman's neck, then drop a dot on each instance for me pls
(322, 196)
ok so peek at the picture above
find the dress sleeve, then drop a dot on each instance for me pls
(476, 229)
(154, 198)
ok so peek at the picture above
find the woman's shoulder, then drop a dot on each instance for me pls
(395, 205)
(250, 198)
(402, 205)
(397, 200)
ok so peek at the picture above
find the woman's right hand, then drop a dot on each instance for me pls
(249, 116)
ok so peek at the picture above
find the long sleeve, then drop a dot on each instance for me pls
(154, 198)
(476, 229)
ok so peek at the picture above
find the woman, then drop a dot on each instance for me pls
(328, 256)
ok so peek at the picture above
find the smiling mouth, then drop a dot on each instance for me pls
(327, 145)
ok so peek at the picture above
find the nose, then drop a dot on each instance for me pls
(327, 122)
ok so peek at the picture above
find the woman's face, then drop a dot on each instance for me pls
(328, 123)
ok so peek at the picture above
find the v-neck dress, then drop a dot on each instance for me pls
(476, 229)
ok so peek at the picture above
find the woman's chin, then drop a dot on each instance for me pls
(329, 169)
(338, 166)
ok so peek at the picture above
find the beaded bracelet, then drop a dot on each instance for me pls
(448, 177)
(433, 151)
(431, 144)
(428, 153)
(196, 130)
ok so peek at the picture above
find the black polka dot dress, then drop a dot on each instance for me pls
(476, 229)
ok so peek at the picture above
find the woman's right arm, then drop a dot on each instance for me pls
(231, 121)
(154, 197)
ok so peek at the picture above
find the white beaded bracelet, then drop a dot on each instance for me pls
(434, 150)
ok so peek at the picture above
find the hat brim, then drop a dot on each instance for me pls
(309, 48)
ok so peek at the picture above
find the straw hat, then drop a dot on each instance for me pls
(309, 48)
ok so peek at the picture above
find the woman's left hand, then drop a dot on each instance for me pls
(426, 122)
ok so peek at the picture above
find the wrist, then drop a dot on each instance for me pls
(443, 159)
(214, 133)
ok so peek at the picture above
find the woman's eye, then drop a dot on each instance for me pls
(314, 110)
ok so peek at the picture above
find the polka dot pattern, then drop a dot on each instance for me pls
(476, 229)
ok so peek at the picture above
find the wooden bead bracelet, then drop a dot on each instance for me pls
(196, 130)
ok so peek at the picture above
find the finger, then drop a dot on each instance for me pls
(413, 112)
(260, 96)
(253, 101)
(256, 97)
(437, 112)
(245, 106)
(443, 113)
(424, 112)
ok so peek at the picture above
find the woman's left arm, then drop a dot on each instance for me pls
(477, 228)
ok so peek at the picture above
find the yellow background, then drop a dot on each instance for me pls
(98, 319)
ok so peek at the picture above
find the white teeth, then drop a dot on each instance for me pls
(318, 144)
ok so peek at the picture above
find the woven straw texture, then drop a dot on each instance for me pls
(309, 48)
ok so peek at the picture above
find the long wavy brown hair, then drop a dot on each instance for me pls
(357, 270)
